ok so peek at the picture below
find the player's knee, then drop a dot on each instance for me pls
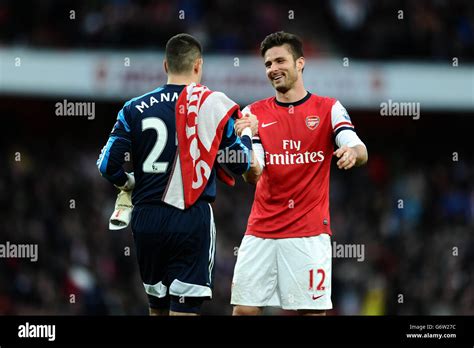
(246, 310)
(158, 311)
(182, 314)
(158, 305)
(190, 305)
(312, 312)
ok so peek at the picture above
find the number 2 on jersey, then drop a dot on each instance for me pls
(150, 165)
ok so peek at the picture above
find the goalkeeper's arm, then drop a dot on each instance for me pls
(240, 146)
(252, 175)
(111, 160)
(112, 157)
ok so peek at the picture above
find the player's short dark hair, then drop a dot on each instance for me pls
(181, 52)
(279, 39)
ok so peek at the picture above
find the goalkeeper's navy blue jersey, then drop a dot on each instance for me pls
(146, 129)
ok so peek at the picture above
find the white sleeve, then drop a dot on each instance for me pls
(259, 152)
(342, 127)
(246, 110)
(257, 146)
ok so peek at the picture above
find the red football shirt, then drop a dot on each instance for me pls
(292, 195)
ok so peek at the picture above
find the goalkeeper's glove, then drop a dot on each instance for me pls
(123, 205)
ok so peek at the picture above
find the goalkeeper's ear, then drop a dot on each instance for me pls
(198, 64)
(197, 69)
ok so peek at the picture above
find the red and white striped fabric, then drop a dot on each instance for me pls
(201, 115)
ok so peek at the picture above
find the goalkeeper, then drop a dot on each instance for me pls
(174, 235)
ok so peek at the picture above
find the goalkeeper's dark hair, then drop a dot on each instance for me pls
(181, 52)
(281, 38)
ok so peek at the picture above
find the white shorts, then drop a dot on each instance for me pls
(291, 273)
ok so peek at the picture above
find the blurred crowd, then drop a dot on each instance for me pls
(386, 29)
(414, 215)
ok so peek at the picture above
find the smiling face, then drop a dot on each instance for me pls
(282, 69)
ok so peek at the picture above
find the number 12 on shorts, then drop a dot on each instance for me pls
(319, 273)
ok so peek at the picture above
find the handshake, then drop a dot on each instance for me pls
(247, 125)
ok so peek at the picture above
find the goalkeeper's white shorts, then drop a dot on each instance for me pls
(290, 273)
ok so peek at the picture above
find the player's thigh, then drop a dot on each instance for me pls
(255, 272)
(192, 256)
(151, 245)
(304, 272)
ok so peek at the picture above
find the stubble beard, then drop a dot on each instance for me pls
(286, 86)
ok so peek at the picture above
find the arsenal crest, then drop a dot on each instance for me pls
(312, 122)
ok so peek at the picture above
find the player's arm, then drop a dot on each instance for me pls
(255, 171)
(351, 150)
(236, 150)
(112, 157)
(252, 175)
